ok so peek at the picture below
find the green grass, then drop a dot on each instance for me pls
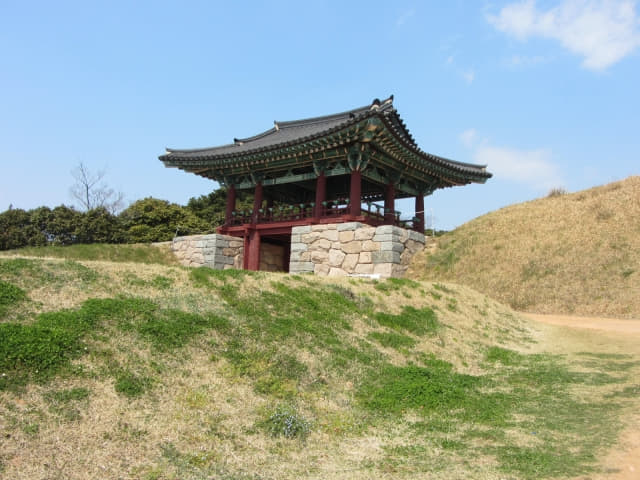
(418, 321)
(10, 295)
(106, 252)
(531, 394)
(392, 340)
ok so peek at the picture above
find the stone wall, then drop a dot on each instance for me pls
(272, 257)
(353, 249)
(214, 250)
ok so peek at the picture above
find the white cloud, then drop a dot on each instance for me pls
(601, 31)
(402, 19)
(469, 76)
(468, 137)
(530, 167)
(533, 168)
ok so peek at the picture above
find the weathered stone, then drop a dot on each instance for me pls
(364, 233)
(294, 256)
(386, 257)
(392, 246)
(319, 256)
(321, 244)
(236, 244)
(300, 267)
(318, 228)
(384, 229)
(228, 251)
(349, 226)
(310, 237)
(349, 262)
(364, 268)
(298, 247)
(365, 257)
(337, 272)
(223, 259)
(331, 235)
(305, 256)
(336, 257)
(383, 269)
(321, 269)
(352, 247)
(301, 229)
(346, 236)
(296, 238)
(386, 237)
(370, 246)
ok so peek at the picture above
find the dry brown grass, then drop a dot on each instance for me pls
(569, 253)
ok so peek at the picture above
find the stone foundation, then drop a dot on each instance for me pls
(214, 251)
(353, 249)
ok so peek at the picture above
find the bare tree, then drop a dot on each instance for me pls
(92, 192)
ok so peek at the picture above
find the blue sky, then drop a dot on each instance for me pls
(546, 93)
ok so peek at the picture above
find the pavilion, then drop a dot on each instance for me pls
(345, 167)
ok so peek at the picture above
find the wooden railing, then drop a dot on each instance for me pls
(374, 214)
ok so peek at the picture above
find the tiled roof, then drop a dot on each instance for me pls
(284, 133)
(287, 138)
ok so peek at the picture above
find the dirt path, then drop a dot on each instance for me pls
(623, 461)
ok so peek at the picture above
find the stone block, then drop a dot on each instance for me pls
(385, 257)
(310, 237)
(319, 256)
(346, 236)
(349, 226)
(320, 244)
(301, 229)
(236, 244)
(392, 246)
(365, 257)
(223, 259)
(352, 247)
(384, 229)
(318, 228)
(296, 238)
(350, 262)
(300, 267)
(321, 269)
(305, 256)
(386, 237)
(383, 269)
(365, 233)
(294, 256)
(336, 257)
(370, 246)
(331, 235)
(336, 272)
(364, 268)
(298, 247)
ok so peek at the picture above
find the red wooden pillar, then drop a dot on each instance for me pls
(321, 194)
(253, 255)
(231, 204)
(390, 204)
(355, 192)
(257, 202)
(420, 213)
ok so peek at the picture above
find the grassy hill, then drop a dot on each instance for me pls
(573, 253)
(153, 371)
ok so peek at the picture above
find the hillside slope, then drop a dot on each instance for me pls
(573, 253)
(142, 371)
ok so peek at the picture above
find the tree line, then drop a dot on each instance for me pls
(144, 221)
